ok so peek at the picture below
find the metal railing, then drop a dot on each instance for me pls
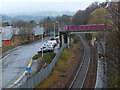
(44, 73)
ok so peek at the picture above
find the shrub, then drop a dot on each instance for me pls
(27, 42)
(48, 57)
(64, 55)
(88, 36)
(75, 40)
(35, 57)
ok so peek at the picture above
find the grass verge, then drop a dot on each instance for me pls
(60, 68)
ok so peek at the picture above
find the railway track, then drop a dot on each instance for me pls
(81, 74)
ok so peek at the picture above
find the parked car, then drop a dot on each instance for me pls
(46, 49)
(47, 45)
(54, 42)
(57, 37)
(52, 39)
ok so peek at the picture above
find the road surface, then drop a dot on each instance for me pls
(15, 64)
(80, 76)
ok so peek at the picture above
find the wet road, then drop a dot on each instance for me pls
(15, 64)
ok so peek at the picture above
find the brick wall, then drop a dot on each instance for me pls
(16, 40)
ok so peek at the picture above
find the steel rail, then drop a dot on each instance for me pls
(80, 69)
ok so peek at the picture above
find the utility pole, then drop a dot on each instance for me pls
(0, 50)
(54, 30)
(58, 35)
(42, 46)
(58, 28)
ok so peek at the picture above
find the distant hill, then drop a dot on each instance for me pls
(43, 13)
(28, 18)
(37, 16)
(25, 18)
(52, 13)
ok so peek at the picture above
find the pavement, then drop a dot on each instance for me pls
(101, 79)
(14, 65)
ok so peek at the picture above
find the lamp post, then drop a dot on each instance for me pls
(42, 46)
(58, 34)
(54, 29)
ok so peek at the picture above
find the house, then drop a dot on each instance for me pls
(10, 35)
(7, 35)
(38, 31)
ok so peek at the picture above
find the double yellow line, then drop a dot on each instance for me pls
(29, 65)
(5, 57)
(8, 54)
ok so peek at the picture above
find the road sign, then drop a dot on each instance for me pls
(28, 69)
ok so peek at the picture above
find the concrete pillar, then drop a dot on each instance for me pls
(33, 38)
(68, 41)
(62, 39)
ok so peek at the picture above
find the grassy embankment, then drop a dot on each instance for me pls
(114, 81)
(60, 67)
(48, 57)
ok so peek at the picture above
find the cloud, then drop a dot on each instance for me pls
(49, 1)
(13, 6)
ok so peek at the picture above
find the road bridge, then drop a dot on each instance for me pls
(75, 29)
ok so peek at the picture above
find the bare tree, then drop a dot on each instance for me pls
(25, 29)
(112, 44)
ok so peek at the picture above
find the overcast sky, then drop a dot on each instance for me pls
(20, 6)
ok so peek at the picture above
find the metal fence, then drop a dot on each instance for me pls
(44, 73)
(71, 42)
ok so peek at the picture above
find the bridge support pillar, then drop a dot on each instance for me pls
(68, 41)
(62, 39)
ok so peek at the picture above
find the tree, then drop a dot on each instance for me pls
(25, 29)
(47, 24)
(82, 16)
(112, 45)
(20, 24)
(5, 24)
(99, 16)
(32, 23)
(109, 16)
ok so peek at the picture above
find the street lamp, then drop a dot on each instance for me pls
(42, 46)
(54, 30)
(58, 33)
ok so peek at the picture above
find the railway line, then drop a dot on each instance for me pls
(82, 71)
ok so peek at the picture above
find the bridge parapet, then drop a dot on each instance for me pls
(86, 27)
(83, 28)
